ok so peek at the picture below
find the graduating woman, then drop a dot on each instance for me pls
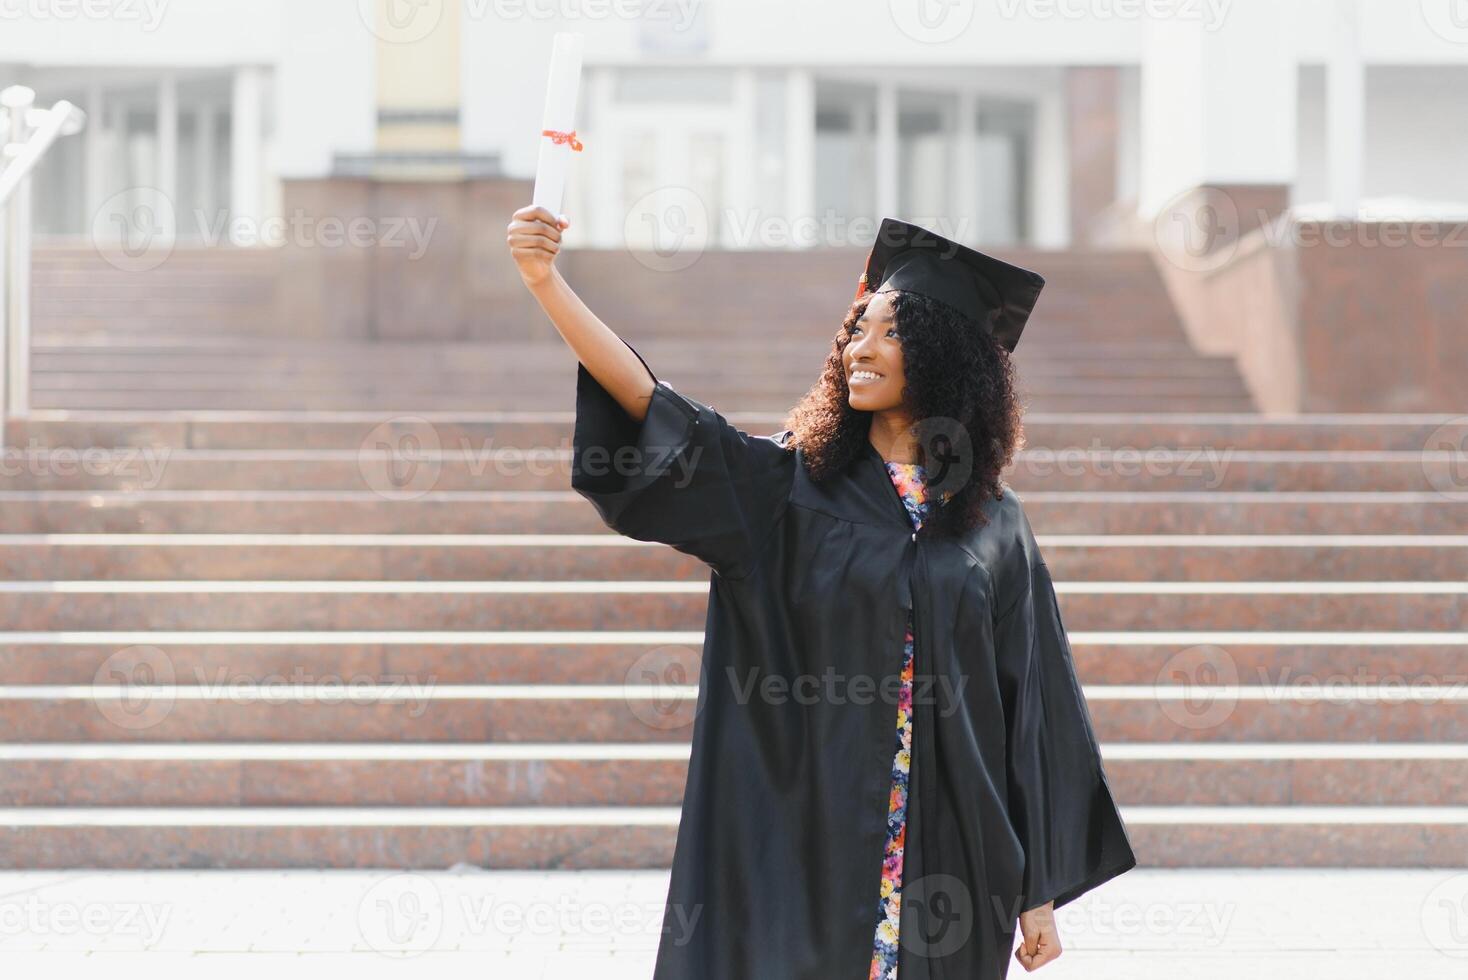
(892, 761)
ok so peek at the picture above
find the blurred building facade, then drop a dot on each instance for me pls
(1023, 122)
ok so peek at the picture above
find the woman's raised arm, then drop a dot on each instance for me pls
(534, 237)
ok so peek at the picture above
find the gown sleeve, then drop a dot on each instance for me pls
(1060, 802)
(683, 476)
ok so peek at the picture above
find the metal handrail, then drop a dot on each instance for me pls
(26, 133)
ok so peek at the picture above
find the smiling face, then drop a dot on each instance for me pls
(873, 359)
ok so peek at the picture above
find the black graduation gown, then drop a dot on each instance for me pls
(779, 850)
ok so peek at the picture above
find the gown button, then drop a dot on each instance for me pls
(914, 535)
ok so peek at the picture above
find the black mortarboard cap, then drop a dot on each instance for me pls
(995, 294)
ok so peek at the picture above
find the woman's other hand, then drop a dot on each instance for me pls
(534, 237)
(1041, 942)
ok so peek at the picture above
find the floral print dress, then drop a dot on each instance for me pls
(910, 483)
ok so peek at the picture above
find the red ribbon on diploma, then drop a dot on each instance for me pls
(559, 137)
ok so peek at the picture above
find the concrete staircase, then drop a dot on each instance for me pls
(258, 639)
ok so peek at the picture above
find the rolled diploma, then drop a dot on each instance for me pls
(560, 116)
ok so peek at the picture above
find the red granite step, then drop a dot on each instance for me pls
(548, 468)
(418, 839)
(653, 775)
(53, 605)
(1136, 433)
(420, 710)
(565, 512)
(1272, 660)
(1163, 558)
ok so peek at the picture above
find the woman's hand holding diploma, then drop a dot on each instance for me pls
(534, 237)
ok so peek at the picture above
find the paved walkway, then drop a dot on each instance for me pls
(1202, 924)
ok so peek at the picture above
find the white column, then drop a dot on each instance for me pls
(94, 154)
(965, 191)
(800, 146)
(245, 201)
(1218, 102)
(1345, 112)
(739, 157)
(604, 224)
(1050, 173)
(166, 177)
(887, 156)
(204, 182)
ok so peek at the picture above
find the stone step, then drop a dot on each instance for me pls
(510, 389)
(641, 774)
(566, 512)
(396, 402)
(633, 837)
(1138, 433)
(420, 710)
(388, 463)
(764, 374)
(682, 605)
(552, 557)
(203, 659)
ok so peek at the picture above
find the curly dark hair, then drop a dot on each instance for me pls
(955, 371)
